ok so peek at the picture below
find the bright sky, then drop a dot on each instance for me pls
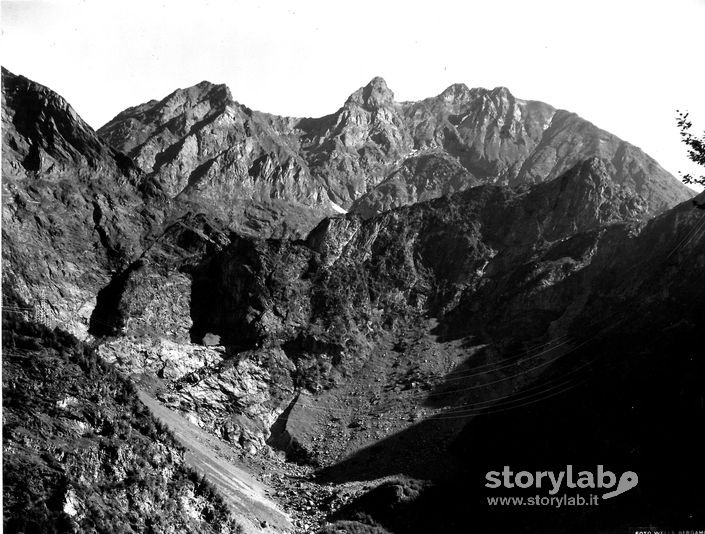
(625, 65)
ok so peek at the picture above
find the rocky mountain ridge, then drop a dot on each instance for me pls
(356, 156)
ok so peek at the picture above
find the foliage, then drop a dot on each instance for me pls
(696, 147)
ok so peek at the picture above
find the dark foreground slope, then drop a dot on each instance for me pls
(82, 454)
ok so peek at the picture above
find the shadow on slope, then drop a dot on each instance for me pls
(641, 409)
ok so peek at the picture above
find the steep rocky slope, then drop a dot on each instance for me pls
(420, 178)
(78, 218)
(82, 454)
(74, 210)
(341, 320)
(373, 153)
(205, 148)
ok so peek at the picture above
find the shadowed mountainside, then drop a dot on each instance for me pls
(632, 405)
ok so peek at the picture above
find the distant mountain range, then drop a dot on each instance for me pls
(372, 154)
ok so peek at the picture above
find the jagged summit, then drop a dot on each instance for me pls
(374, 95)
(501, 91)
(460, 93)
(208, 84)
(455, 92)
(142, 131)
(205, 90)
(199, 99)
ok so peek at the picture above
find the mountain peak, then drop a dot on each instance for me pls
(42, 129)
(374, 95)
(500, 93)
(457, 94)
(205, 90)
(377, 81)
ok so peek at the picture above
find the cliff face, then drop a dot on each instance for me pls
(373, 153)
